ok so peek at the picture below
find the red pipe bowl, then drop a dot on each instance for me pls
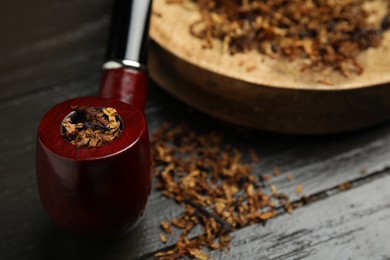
(96, 192)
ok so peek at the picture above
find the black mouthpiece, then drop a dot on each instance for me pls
(130, 19)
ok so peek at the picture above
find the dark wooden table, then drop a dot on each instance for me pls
(52, 51)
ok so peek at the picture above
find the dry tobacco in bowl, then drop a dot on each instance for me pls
(326, 32)
(88, 127)
(218, 189)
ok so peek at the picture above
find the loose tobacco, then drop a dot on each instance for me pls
(326, 32)
(88, 127)
(218, 189)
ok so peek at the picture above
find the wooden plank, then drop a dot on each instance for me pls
(27, 223)
(48, 42)
(351, 225)
(328, 162)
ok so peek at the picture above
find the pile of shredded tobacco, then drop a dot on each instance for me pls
(88, 127)
(216, 187)
(328, 33)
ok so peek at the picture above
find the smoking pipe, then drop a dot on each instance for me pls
(103, 191)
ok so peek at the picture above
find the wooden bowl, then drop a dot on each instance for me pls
(260, 92)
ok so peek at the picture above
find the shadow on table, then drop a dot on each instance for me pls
(58, 244)
(165, 108)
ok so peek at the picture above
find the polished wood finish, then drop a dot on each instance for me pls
(262, 92)
(125, 84)
(99, 192)
(342, 225)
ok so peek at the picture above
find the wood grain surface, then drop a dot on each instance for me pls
(308, 234)
(46, 42)
(276, 95)
(338, 225)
